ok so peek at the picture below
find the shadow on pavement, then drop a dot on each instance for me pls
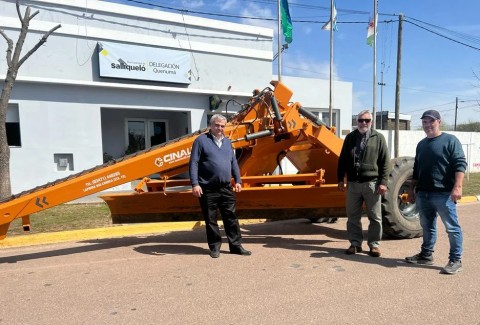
(274, 235)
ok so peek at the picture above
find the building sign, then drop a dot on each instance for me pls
(143, 63)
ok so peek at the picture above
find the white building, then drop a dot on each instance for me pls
(116, 78)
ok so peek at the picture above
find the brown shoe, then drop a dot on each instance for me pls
(375, 252)
(353, 250)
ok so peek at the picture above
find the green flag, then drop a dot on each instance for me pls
(286, 21)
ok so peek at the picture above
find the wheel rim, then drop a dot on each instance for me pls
(407, 210)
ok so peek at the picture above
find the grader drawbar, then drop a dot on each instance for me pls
(268, 129)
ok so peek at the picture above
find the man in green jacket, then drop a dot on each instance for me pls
(364, 163)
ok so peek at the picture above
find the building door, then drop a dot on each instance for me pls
(157, 131)
(144, 133)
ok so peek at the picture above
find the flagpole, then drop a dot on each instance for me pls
(330, 102)
(374, 110)
(279, 58)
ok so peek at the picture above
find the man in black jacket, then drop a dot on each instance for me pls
(365, 164)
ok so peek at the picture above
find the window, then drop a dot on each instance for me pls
(325, 117)
(144, 133)
(13, 126)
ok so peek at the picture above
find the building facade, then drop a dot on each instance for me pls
(115, 79)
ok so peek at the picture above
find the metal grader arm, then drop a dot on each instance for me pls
(267, 129)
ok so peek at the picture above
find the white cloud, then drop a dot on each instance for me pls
(368, 66)
(254, 10)
(299, 65)
(360, 100)
(307, 30)
(226, 5)
(193, 4)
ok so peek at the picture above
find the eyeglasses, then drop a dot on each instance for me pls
(364, 120)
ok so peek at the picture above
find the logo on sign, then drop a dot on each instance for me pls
(173, 157)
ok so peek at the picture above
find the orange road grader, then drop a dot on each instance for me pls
(268, 129)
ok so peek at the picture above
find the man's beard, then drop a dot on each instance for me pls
(362, 130)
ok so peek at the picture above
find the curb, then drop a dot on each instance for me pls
(108, 232)
(469, 199)
(127, 230)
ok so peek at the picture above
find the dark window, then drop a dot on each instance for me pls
(12, 125)
(13, 134)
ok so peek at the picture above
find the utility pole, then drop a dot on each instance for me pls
(374, 110)
(279, 26)
(456, 109)
(397, 85)
(330, 101)
(381, 84)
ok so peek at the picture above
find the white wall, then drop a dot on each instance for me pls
(408, 142)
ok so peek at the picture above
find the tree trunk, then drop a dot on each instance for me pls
(5, 185)
(14, 61)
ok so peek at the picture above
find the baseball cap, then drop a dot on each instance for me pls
(432, 114)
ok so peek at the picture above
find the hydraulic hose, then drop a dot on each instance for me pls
(309, 115)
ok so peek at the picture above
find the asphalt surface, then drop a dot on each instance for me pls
(298, 274)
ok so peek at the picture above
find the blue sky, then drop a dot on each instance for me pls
(435, 70)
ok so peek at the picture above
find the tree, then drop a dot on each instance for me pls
(469, 126)
(14, 62)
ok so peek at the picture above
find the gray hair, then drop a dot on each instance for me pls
(217, 117)
(365, 111)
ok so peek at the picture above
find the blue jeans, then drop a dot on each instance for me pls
(428, 205)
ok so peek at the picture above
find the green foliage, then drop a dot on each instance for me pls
(469, 127)
(471, 184)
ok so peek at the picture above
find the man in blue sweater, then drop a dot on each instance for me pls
(436, 187)
(212, 165)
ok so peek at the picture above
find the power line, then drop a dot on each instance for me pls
(460, 35)
(438, 34)
(409, 20)
(413, 21)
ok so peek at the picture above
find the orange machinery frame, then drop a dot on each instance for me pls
(268, 129)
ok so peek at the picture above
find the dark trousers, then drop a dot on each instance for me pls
(224, 199)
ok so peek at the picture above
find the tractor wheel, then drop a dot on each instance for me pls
(400, 220)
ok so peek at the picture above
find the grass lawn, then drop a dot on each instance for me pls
(84, 216)
(471, 184)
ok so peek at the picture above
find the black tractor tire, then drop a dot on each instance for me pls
(400, 220)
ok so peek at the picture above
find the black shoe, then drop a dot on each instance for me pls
(240, 251)
(215, 253)
(375, 252)
(420, 258)
(353, 250)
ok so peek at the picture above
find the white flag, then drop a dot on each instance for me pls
(370, 32)
(328, 25)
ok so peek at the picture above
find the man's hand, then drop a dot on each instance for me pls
(197, 191)
(456, 193)
(411, 195)
(238, 187)
(341, 186)
(381, 189)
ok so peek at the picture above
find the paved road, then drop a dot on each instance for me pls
(298, 274)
